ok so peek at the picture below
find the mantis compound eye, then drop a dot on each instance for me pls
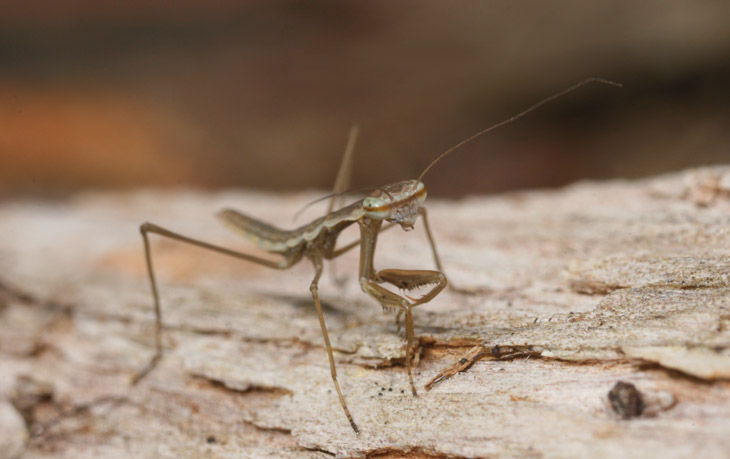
(376, 208)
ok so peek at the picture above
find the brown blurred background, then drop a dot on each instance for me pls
(261, 94)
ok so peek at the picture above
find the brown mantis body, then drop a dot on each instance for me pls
(398, 203)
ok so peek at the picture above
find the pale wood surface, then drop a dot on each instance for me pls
(585, 286)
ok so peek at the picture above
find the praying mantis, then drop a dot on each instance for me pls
(399, 203)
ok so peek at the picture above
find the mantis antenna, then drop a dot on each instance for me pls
(520, 115)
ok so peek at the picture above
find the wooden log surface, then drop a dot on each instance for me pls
(575, 290)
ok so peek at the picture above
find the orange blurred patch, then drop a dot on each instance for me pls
(70, 138)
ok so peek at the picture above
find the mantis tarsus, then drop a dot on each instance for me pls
(398, 203)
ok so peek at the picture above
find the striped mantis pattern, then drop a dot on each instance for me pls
(395, 204)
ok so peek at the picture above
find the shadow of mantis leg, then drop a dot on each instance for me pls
(314, 289)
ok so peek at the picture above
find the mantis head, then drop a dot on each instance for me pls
(397, 203)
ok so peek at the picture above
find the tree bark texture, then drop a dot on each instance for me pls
(598, 325)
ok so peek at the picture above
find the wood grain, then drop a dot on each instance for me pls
(579, 288)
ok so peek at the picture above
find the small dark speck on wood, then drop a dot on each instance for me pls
(626, 400)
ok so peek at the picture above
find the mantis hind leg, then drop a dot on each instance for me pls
(146, 228)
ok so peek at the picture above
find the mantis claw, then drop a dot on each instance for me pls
(407, 279)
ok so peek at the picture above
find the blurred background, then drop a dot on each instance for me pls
(261, 94)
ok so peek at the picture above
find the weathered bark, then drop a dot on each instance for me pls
(576, 290)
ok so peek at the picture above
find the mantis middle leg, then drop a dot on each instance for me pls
(314, 289)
